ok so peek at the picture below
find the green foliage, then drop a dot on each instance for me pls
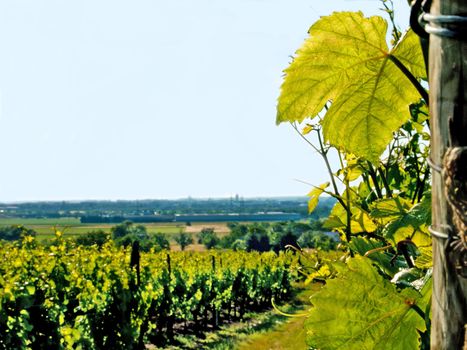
(237, 232)
(412, 225)
(156, 242)
(257, 241)
(121, 230)
(364, 102)
(382, 257)
(15, 232)
(183, 239)
(314, 196)
(75, 297)
(279, 236)
(238, 244)
(209, 238)
(98, 238)
(160, 241)
(317, 240)
(346, 59)
(391, 319)
(257, 238)
(126, 233)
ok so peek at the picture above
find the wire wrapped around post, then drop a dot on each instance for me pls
(424, 23)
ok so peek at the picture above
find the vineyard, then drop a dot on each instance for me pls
(67, 296)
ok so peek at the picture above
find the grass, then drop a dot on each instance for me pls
(262, 331)
(72, 227)
(39, 221)
(290, 334)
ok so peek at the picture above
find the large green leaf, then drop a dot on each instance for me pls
(346, 60)
(388, 209)
(376, 251)
(361, 310)
(412, 225)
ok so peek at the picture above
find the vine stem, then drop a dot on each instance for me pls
(410, 76)
(390, 11)
(372, 173)
(392, 145)
(348, 229)
(385, 182)
(323, 153)
(421, 185)
(294, 126)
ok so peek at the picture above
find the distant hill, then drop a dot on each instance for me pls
(152, 209)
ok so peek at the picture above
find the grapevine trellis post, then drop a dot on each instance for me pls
(445, 22)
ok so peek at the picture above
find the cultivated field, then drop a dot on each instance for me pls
(71, 227)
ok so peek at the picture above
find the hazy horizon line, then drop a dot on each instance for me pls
(151, 199)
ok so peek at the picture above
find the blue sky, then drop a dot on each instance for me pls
(152, 99)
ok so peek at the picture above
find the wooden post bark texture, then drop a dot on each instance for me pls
(448, 109)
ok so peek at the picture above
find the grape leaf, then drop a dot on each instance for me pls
(314, 196)
(346, 60)
(388, 209)
(360, 220)
(376, 251)
(361, 310)
(307, 129)
(425, 259)
(412, 225)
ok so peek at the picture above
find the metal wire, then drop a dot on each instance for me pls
(445, 19)
(424, 23)
(443, 32)
(434, 166)
(436, 25)
(439, 234)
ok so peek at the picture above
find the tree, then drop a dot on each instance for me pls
(15, 232)
(139, 230)
(184, 240)
(121, 230)
(257, 239)
(128, 228)
(318, 240)
(208, 237)
(237, 232)
(285, 234)
(239, 244)
(161, 241)
(98, 237)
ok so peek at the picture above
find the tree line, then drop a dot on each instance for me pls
(260, 237)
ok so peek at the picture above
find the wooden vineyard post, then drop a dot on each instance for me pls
(448, 110)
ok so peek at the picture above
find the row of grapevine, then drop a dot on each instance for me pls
(66, 296)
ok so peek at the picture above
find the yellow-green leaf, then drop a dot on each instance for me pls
(425, 259)
(346, 60)
(352, 171)
(360, 221)
(388, 209)
(320, 69)
(314, 196)
(31, 289)
(307, 129)
(361, 310)
(412, 225)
